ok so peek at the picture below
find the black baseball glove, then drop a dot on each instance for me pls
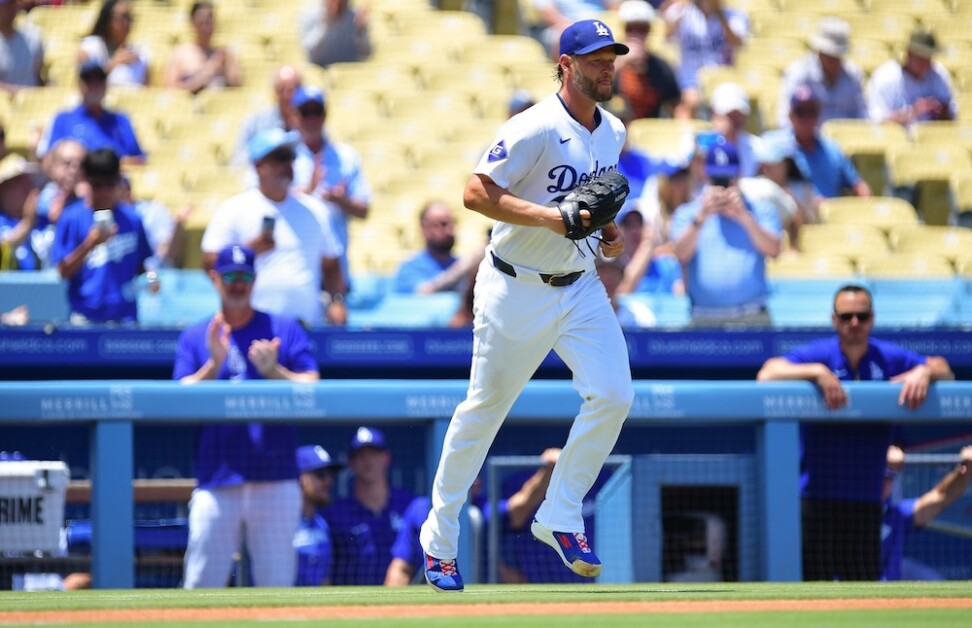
(602, 197)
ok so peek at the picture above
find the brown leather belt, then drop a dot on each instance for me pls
(557, 281)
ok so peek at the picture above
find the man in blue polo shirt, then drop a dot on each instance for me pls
(842, 464)
(91, 123)
(722, 240)
(246, 473)
(831, 171)
(100, 246)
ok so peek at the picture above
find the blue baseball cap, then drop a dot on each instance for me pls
(367, 437)
(235, 257)
(314, 457)
(587, 36)
(303, 95)
(269, 140)
(722, 159)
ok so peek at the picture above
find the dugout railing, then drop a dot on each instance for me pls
(773, 411)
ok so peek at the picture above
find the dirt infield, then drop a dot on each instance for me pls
(468, 610)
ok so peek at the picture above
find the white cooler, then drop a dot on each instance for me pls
(32, 505)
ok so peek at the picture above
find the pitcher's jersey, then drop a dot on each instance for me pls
(540, 155)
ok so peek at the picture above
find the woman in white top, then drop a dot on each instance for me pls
(196, 65)
(127, 64)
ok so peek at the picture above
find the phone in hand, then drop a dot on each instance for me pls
(268, 224)
(104, 219)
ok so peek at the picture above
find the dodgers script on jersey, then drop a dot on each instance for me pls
(542, 154)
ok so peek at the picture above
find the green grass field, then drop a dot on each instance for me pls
(563, 605)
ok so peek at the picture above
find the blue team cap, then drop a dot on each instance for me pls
(314, 457)
(235, 257)
(587, 36)
(367, 437)
(269, 140)
(303, 95)
(722, 159)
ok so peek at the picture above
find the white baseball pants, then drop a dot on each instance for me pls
(267, 512)
(517, 322)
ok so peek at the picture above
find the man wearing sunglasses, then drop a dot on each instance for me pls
(246, 473)
(843, 464)
(297, 250)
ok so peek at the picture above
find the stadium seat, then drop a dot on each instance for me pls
(943, 133)
(665, 137)
(768, 52)
(407, 311)
(928, 170)
(953, 243)
(505, 51)
(854, 241)
(867, 144)
(906, 266)
(810, 266)
(891, 28)
(670, 310)
(800, 310)
(172, 307)
(367, 290)
(823, 7)
(43, 292)
(904, 302)
(917, 9)
(868, 54)
(884, 212)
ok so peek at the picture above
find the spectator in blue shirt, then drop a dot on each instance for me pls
(842, 464)
(722, 240)
(429, 270)
(91, 123)
(903, 516)
(100, 246)
(313, 540)
(364, 525)
(246, 473)
(831, 172)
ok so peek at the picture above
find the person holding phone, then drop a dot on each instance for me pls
(722, 240)
(100, 246)
(842, 465)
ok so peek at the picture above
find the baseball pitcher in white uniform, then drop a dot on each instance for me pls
(535, 291)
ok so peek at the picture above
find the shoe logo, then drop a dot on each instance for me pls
(564, 140)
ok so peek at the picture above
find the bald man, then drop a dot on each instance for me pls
(286, 80)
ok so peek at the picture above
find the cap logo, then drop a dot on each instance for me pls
(239, 257)
(601, 30)
(365, 435)
(721, 158)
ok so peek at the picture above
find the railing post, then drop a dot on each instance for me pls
(778, 456)
(112, 509)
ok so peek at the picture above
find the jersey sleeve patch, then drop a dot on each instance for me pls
(497, 152)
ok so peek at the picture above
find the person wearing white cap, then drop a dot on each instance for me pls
(915, 89)
(298, 254)
(708, 33)
(730, 117)
(645, 80)
(781, 181)
(839, 81)
(18, 207)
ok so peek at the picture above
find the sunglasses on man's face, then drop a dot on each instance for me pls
(846, 317)
(809, 112)
(311, 112)
(238, 275)
(281, 156)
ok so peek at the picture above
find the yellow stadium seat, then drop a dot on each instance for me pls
(885, 212)
(906, 266)
(540, 79)
(416, 50)
(796, 23)
(381, 77)
(949, 242)
(961, 191)
(929, 170)
(868, 54)
(852, 241)
(442, 25)
(914, 8)
(468, 78)
(867, 144)
(893, 28)
(751, 6)
(506, 51)
(665, 137)
(770, 51)
(811, 266)
(71, 20)
(943, 133)
(824, 7)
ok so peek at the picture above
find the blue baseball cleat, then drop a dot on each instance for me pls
(442, 575)
(573, 549)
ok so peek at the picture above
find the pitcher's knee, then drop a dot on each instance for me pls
(616, 399)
